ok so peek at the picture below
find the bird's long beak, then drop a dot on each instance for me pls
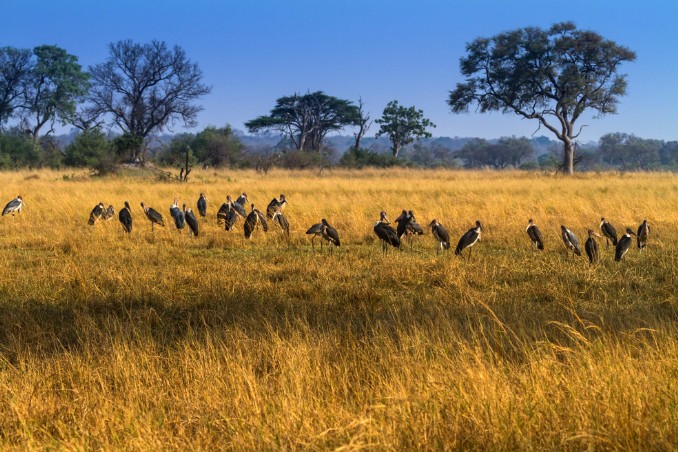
(597, 235)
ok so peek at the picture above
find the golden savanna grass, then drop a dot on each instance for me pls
(168, 342)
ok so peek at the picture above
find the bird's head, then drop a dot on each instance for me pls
(324, 221)
(127, 205)
(630, 232)
(602, 219)
(383, 218)
(479, 225)
(433, 223)
(563, 228)
(530, 222)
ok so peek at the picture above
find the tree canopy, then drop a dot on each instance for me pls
(402, 125)
(144, 88)
(307, 119)
(551, 75)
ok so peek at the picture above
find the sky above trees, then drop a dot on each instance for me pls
(253, 52)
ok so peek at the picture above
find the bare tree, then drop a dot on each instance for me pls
(146, 87)
(363, 122)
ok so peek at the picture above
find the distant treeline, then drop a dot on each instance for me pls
(226, 147)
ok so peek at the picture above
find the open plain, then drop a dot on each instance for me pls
(156, 341)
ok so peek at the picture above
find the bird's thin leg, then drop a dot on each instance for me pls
(313, 243)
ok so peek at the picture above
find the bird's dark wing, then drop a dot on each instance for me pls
(155, 216)
(125, 218)
(316, 229)
(333, 235)
(222, 214)
(231, 219)
(202, 206)
(11, 206)
(282, 222)
(192, 222)
(262, 220)
(272, 208)
(250, 224)
(240, 209)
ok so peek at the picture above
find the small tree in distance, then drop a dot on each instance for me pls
(402, 125)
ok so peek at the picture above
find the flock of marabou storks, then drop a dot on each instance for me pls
(407, 226)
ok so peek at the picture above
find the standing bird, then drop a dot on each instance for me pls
(125, 217)
(441, 235)
(609, 232)
(95, 214)
(386, 233)
(643, 233)
(591, 247)
(534, 234)
(331, 235)
(13, 206)
(276, 205)
(239, 205)
(281, 220)
(109, 213)
(408, 226)
(154, 216)
(469, 239)
(570, 240)
(178, 215)
(191, 220)
(202, 205)
(223, 211)
(623, 244)
(316, 231)
(254, 218)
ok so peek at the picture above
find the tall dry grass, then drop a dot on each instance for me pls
(167, 342)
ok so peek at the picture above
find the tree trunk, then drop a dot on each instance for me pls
(396, 149)
(568, 156)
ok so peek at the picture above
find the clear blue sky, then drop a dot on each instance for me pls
(254, 51)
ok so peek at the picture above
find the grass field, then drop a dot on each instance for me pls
(168, 342)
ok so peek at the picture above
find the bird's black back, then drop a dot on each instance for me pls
(125, 218)
(622, 247)
(387, 234)
(535, 235)
(202, 206)
(591, 248)
(192, 222)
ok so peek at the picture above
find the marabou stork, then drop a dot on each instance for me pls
(14, 206)
(570, 240)
(609, 232)
(643, 233)
(125, 217)
(191, 221)
(386, 233)
(331, 235)
(154, 216)
(223, 211)
(276, 205)
(591, 247)
(96, 214)
(178, 215)
(469, 239)
(623, 244)
(254, 218)
(534, 234)
(202, 205)
(281, 220)
(109, 213)
(441, 235)
(239, 205)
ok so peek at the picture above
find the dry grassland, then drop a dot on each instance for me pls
(170, 342)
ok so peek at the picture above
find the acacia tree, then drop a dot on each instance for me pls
(54, 85)
(363, 122)
(14, 68)
(551, 75)
(402, 125)
(307, 119)
(146, 87)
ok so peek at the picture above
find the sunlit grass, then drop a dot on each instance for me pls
(160, 341)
